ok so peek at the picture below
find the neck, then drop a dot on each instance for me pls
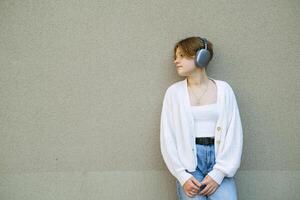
(197, 79)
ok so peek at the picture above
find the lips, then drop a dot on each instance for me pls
(177, 67)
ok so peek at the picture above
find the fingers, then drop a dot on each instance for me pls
(209, 189)
(192, 193)
(205, 190)
(196, 183)
(192, 188)
(211, 192)
(204, 182)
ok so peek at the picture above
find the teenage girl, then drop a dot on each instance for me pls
(207, 181)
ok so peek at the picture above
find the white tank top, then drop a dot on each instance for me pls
(205, 118)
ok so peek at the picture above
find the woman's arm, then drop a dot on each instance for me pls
(229, 159)
(168, 142)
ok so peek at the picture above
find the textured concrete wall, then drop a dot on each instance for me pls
(82, 83)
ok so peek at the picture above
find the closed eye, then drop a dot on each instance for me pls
(181, 55)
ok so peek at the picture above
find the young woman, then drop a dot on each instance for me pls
(201, 133)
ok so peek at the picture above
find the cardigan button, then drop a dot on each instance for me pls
(219, 128)
(218, 141)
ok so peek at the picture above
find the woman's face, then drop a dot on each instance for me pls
(185, 66)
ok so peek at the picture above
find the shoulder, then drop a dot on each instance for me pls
(226, 86)
(174, 87)
(227, 90)
(170, 93)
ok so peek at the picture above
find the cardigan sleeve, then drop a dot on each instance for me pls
(229, 159)
(217, 175)
(168, 143)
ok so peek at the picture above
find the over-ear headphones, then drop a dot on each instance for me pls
(202, 56)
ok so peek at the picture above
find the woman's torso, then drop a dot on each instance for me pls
(205, 112)
(205, 118)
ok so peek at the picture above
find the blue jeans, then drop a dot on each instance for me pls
(206, 160)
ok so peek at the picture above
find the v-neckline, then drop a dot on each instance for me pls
(205, 105)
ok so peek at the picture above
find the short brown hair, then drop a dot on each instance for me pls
(190, 45)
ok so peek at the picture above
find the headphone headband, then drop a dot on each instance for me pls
(204, 41)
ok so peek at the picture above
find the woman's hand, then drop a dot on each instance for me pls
(211, 186)
(191, 187)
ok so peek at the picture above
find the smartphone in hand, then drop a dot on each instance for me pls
(202, 187)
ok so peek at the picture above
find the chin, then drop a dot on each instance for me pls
(181, 74)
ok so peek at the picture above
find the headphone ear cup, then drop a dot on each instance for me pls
(202, 58)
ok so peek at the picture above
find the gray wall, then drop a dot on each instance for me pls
(82, 84)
